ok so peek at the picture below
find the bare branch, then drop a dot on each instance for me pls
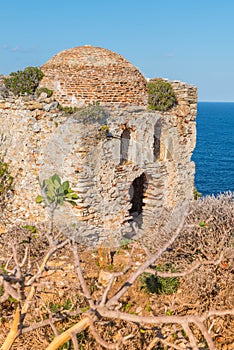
(26, 254)
(13, 332)
(14, 254)
(193, 241)
(38, 325)
(51, 321)
(144, 266)
(98, 338)
(116, 314)
(81, 277)
(10, 290)
(46, 322)
(7, 263)
(108, 288)
(194, 267)
(4, 297)
(74, 341)
(65, 336)
(206, 334)
(156, 340)
(217, 313)
(45, 260)
(190, 335)
(18, 264)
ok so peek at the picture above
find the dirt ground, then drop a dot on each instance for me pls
(207, 237)
(62, 294)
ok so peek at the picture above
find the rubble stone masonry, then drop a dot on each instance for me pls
(125, 163)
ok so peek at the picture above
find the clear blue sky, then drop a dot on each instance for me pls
(187, 40)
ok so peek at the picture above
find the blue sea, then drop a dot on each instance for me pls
(214, 152)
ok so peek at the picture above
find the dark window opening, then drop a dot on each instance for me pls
(137, 193)
(124, 145)
(157, 135)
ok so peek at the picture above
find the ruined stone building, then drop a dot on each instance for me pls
(125, 162)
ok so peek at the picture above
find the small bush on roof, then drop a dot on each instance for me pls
(161, 96)
(24, 82)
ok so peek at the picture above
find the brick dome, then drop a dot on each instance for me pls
(88, 74)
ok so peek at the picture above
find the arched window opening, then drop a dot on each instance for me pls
(124, 145)
(157, 135)
(137, 193)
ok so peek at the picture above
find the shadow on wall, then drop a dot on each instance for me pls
(157, 136)
(124, 145)
(140, 184)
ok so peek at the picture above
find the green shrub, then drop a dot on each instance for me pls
(56, 192)
(160, 285)
(196, 194)
(44, 89)
(6, 184)
(161, 96)
(68, 109)
(92, 114)
(24, 82)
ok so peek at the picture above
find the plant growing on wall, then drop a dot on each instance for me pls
(93, 113)
(6, 184)
(196, 194)
(68, 109)
(161, 96)
(56, 192)
(39, 91)
(24, 82)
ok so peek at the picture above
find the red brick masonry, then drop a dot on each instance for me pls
(87, 74)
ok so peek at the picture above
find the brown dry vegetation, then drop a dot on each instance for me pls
(71, 287)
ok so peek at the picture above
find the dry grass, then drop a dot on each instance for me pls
(208, 235)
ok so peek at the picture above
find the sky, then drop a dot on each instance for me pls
(186, 40)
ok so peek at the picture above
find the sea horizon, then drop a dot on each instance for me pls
(201, 101)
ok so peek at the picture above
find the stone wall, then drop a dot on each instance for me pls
(85, 148)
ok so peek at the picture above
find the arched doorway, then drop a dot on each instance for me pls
(137, 193)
